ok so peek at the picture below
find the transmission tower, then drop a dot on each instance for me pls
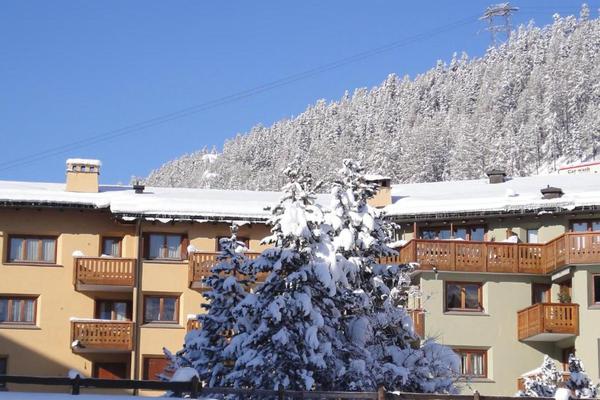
(498, 17)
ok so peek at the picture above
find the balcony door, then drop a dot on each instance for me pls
(110, 370)
(115, 310)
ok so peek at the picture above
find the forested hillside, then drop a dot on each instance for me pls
(526, 107)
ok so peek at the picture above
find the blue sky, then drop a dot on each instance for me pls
(70, 70)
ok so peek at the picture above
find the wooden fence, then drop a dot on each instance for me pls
(195, 390)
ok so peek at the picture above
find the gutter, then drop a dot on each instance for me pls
(137, 292)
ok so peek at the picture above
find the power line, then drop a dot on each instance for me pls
(136, 127)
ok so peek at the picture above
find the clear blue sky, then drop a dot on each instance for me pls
(70, 70)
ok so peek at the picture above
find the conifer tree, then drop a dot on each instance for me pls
(544, 383)
(579, 383)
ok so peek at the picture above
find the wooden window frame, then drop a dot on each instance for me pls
(9, 309)
(161, 308)
(547, 292)
(183, 243)
(483, 352)
(39, 238)
(243, 239)
(145, 371)
(589, 223)
(128, 313)
(116, 238)
(452, 228)
(463, 297)
(96, 366)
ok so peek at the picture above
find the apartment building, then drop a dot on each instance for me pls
(509, 270)
(99, 278)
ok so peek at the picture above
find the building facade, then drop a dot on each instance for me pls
(100, 278)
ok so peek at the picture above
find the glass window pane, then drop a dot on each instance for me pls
(477, 233)
(168, 309)
(48, 250)
(151, 309)
(120, 311)
(16, 310)
(463, 364)
(3, 310)
(16, 249)
(580, 226)
(453, 296)
(477, 364)
(596, 226)
(29, 310)
(461, 233)
(104, 310)
(111, 247)
(428, 234)
(33, 253)
(156, 245)
(445, 234)
(173, 246)
(532, 236)
(472, 296)
(597, 289)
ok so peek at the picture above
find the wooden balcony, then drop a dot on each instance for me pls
(104, 273)
(101, 336)
(201, 263)
(418, 318)
(564, 377)
(548, 322)
(521, 258)
(192, 324)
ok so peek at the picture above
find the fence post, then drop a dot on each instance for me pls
(381, 393)
(280, 392)
(476, 395)
(196, 387)
(75, 384)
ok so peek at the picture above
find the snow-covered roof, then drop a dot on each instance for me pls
(376, 177)
(86, 161)
(479, 196)
(154, 202)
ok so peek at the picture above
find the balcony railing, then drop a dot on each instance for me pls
(564, 377)
(418, 318)
(101, 336)
(548, 322)
(526, 258)
(104, 271)
(201, 263)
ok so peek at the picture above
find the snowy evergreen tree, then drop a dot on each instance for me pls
(383, 348)
(579, 383)
(295, 321)
(204, 347)
(544, 382)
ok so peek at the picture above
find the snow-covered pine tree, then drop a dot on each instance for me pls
(295, 320)
(204, 347)
(579, 382)
(544, 382)
(383, 347)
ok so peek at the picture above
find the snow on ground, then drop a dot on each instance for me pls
(68, 396)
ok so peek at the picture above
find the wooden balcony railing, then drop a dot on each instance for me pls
(564, 377)
(96, 335)
(192, 324)
(418, 318)
(548, 322)
(526, 258)
(104, 271)
(201, 263)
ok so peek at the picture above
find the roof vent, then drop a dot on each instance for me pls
(138, 187)
(496, 176)
(550, 192)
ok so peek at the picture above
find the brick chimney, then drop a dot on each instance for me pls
(82, 175)
(383, 197)
(496, 176)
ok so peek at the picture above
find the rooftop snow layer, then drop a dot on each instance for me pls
(86, 161)
(480, 196)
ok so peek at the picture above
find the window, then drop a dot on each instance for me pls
(596, 288)
(161, 309)
(474, 233)
(17, 310)
(463, 296)
(3, 369)
(540, 293)
(532, 236)
(436, 233)
(165, 246)
(111, 246)
(32, 249)
(154, 366)
(110, 370)
(116, 310)
(473, 363)
(584, 226)
(244, 240)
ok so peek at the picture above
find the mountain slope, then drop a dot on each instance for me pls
(522, 107)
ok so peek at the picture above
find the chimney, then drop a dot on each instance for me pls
(82, 175)
(496, 176)
(138, 187)
(550, 192)
(383, 197)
